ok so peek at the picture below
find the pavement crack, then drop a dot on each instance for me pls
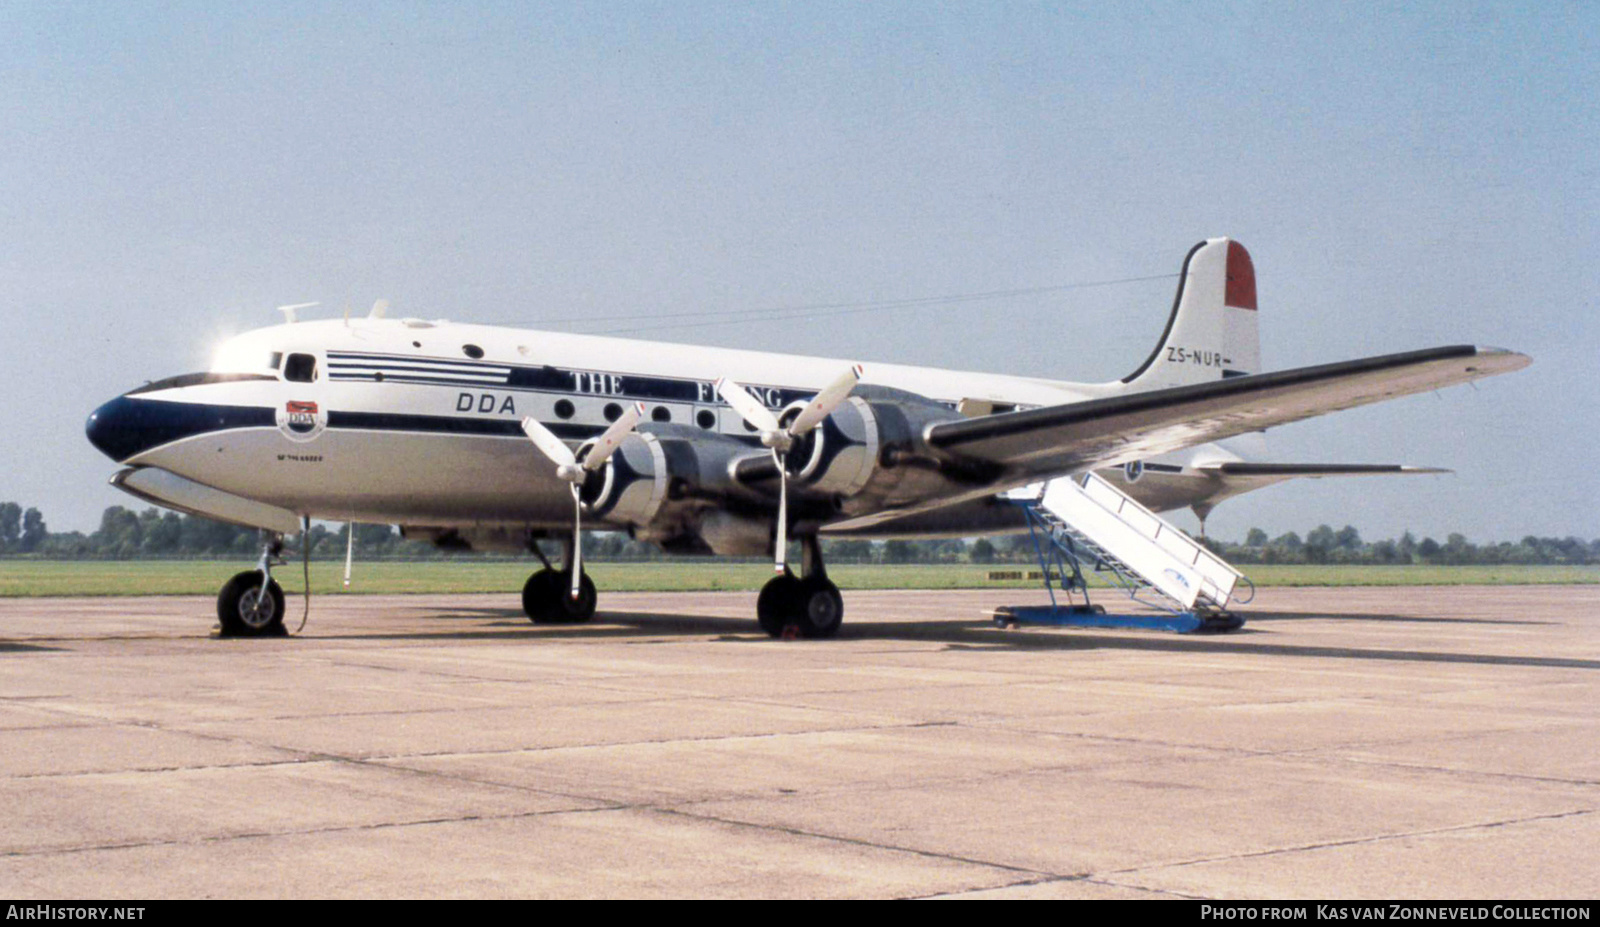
(291, 832)
(858, 842)
(1358, 841)
(1447, 770)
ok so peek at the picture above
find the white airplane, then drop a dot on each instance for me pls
(487, 437)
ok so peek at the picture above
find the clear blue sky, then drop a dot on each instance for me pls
(1406, 176)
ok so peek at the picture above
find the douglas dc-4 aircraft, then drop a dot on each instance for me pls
(482, 437)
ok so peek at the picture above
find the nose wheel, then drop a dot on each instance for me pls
(246, 608)
(251, 603)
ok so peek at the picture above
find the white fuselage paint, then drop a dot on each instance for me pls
(375, 473)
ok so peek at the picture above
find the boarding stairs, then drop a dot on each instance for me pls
(1084, 524)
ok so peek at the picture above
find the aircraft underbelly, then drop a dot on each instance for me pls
(380, 477)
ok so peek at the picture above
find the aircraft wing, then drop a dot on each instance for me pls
(1081, 436)
(1014, 448)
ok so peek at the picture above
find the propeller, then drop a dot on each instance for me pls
(570, 469)
(780, 439)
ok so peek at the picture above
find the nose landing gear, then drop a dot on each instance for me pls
(251, 603)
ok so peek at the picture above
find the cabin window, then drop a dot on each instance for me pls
(472, 351)
(661, 414)
(300, 368)
(564, 408)
(612, 411)
(706, 418)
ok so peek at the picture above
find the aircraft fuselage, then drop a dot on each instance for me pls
(403, 421)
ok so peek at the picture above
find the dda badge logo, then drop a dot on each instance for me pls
(301, 421)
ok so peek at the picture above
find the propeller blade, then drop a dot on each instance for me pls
(552, 446)
(749, 407)
(823, 404)
(349, 551)
(607, 443)
(577, 543)
(780, 544)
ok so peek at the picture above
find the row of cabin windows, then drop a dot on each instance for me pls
(302, 368)
(705, 418)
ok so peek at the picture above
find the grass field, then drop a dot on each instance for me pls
(204, 577)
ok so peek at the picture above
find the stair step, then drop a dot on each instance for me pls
(1103, 529)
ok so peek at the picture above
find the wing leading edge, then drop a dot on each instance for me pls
(1080, 436)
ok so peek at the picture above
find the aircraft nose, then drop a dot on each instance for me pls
(113, 429)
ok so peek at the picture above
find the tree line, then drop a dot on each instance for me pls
(125, 534)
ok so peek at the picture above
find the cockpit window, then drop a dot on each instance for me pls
(275, 361)
(300, 368)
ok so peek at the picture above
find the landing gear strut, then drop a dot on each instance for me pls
(547, 595)
(808, 606)
(251, 603)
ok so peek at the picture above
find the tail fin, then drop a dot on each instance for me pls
(1212, 332)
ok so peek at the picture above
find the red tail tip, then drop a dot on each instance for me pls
(1241, 292)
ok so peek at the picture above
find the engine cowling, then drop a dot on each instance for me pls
(871, 453)
(692, 490)
(663, 483)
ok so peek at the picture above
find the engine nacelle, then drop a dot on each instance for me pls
(660, 484)
(693, 490)
(839, 456)
(871, 452)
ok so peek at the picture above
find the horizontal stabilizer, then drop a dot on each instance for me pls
(1235, 477)
(1313, 471)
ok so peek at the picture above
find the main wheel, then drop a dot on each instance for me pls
(777, 606)
(547, 598)
(819, 607)
(536, 595)
(244, 610)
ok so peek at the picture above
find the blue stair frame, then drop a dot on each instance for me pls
(1064, 554)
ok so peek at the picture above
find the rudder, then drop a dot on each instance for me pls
(1212, 333)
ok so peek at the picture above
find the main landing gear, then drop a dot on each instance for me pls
(808, 606)
(251, 603)
(547, 595)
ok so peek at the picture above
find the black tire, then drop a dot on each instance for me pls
(547, 598)
(819, 608)
(536, 595)
(778, 605)
(243, 611)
